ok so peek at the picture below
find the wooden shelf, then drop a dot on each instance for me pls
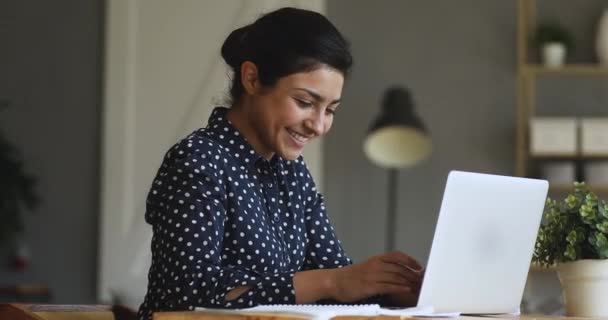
(567, 70)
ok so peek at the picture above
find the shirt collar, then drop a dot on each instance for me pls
(224, 132)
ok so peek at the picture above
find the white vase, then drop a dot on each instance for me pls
(585, 287)
(554, 54)
(601, 41)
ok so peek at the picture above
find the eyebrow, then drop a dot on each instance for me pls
(317, 96)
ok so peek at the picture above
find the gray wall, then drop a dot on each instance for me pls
(458, 58)
(51, 72)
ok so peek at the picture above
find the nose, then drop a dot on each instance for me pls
(315, 123)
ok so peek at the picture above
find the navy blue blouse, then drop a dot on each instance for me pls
(224, 217)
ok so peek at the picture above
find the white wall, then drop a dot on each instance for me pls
(164, 74)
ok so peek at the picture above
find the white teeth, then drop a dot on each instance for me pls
(297, 136)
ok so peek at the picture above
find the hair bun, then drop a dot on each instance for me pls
(234, 47)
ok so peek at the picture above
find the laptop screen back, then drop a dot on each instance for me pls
(483, 243)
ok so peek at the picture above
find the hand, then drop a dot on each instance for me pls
(394, 274)
(409, 299)
(236, 292)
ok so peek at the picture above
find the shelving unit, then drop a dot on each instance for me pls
(527, 76)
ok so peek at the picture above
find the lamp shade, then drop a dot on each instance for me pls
(397, 138)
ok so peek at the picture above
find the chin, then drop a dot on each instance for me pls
(290, 155)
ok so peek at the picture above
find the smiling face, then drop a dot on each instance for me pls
(283, 118)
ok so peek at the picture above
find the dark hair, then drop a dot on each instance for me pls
(284, 42)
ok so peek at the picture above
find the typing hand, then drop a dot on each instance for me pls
(393, 274)
(410, 298)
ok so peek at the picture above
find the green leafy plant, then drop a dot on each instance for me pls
(574, 229)
(16, 190)
(553, 32)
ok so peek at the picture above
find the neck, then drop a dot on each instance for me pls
(242, 121)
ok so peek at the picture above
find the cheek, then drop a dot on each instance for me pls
(284, 112)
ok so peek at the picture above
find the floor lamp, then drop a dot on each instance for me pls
(397, 139)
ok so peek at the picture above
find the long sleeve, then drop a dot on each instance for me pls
(324, 249)
(187, 208)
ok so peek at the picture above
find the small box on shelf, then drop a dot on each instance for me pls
(594, 136)
(553, 136)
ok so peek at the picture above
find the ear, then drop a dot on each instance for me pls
(249, 77)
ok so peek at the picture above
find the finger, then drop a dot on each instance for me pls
(401, 258)
(407, 299)
(409, 262)
(401, 271)
(387, 288)
(398, 279)
(391, 278)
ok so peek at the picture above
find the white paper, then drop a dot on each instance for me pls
(326, 312)
(417, 312)
(320, 312)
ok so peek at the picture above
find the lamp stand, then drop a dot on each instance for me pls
(391, 214)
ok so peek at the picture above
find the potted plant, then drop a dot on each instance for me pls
(16, 194)
(554, 42)
(574, 240)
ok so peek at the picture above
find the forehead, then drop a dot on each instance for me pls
(325, 80)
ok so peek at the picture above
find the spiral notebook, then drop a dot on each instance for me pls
(326, 312)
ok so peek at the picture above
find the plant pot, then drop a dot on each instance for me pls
(585, 287)
(554, 54)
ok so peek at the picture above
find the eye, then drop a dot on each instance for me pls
(303, 103)
(330, 111)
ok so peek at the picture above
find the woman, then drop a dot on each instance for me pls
(237, 218)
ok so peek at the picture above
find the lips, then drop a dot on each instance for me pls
(297, 137)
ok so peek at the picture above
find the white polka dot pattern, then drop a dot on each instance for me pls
(224, 217)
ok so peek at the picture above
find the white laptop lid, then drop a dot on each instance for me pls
(483, 243)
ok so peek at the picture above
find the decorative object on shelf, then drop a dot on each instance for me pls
(554, 42)
(396, 139)
(554, 54)
(553, 136)
(574, 240)
(601, 42)
(16, 194)
(594, 136)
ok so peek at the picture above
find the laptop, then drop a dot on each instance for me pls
(483, 243)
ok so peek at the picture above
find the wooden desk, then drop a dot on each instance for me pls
(193, 315)
(25, 293)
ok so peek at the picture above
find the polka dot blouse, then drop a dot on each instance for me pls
(224, 217)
